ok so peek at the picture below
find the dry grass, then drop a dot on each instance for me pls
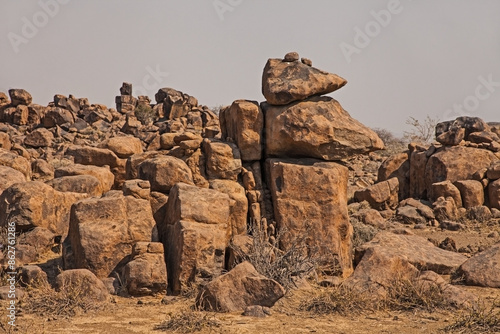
(342, 300)
(188, 321)
(69, 301)
(477, 319)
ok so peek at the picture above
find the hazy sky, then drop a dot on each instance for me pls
(401, 58)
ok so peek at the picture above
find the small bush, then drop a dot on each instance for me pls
(362, 233)
(421, 132)
(188, 321)
(69, 301)
(282, 266)
(145, 114)
(476, 319)
(392, 143)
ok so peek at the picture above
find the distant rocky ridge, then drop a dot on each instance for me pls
(156, 196)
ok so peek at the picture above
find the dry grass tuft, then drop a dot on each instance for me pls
(477, 319)
(188, 321)
(69, 301)
(342, 300)
(409, 294)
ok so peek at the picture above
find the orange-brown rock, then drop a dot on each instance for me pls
(285, 82)
(40, 137)
(415, 249)
(445, 189)
(223, 160)
(32, 204)
(318, 128)
(398, 166)
(84, 281)
(10, 176)
(196, 234)
(244, 123)
(146, 273)
(494, 194)
(83, 184)
(380, 196)
(483, 269)
(472, 193)
(87, 155)
(123, 146)
(241, 287)
(163, 172)
(310, 203)
(19, 97)
(238, 220)
(456, 163)
(11, 159)
(103, 232)
(103, 174)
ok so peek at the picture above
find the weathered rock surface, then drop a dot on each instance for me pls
(83, 184)
(10, 176)
(223, 160)
(163, 172)
(318, 128)
(243, 122)
(472, 193)
(454, 163)
(19, 97)
(83, 280)
(483, 269)
(196, 234)
(239, 211)
(123, 146)
(416, 250)
(381, 196)
(103, 174)
(103, 231)
(398, 166)
(36, 204)
(146, 273)
(241, 287)
(315, 215)
(284, 82)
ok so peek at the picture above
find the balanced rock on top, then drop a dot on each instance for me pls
(286, 81)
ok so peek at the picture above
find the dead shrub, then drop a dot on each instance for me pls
(69, 301)
(145, 114)
(284, 266)
(476, 319)
(342, 300)
(362, 233)
(188, 321)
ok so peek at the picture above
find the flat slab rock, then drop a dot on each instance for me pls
(483, 269)
(417, 250)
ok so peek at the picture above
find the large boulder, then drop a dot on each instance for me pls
(318, 128)
(310, 204)
(103, 174)
(11, 159)
(241, 287)
(494, 194)
(83, 184)
(82, 280)
(10, 176)
(196, 228)
(239, 211)
(284, 82)
(445, 189)
(483, 269)
(87, 155)
(455, 163)
(146, 273)
(103, 232)
(163, 172)
(244, 122)
(123, 146)
(398, 166)
(380, 196)
(471, 192)
(416, 250)
(36, 204)
(40, 137)
(223, 160)
(19, 97)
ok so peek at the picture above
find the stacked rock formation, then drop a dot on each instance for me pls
(154, 195)
(458, 175)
